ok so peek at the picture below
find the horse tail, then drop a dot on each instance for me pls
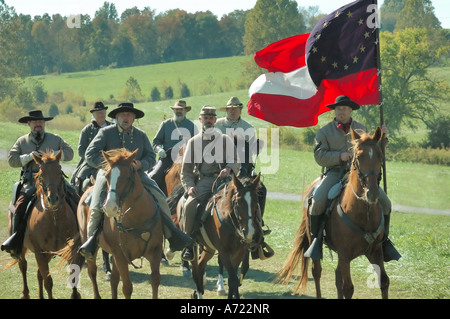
(70, 252)
(14, 261)
(301, 244)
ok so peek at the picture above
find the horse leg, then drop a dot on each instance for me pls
(347, 284)
(220, 283)
(245, 267)
(376, 259)
(317, 273)
(92, 272)
(233, 282)
(44, 275)
(23, 265)
(121, 266)
(154, 258)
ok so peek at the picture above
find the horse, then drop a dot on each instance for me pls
(355, 226)
(131, 226)
(233, 227)
(51, 223)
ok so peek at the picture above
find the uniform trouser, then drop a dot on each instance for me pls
(204, 186)
(99, 196)
(320, 197)
(158, 174)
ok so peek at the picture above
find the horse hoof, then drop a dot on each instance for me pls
(169, 254)
(196, 295)
(221, 292)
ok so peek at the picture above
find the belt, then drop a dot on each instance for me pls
(209, 175)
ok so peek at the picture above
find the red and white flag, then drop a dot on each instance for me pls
(308, 71)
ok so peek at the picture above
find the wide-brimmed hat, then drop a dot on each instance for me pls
(34, 116)
(208, 110)
(98, 106)
(126, 107)
(232, 103)
(345, 101)
(181, 104)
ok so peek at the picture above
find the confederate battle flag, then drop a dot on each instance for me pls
(308, 71)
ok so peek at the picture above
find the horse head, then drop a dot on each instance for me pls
(367, 159)
(245, 207)
(120, 176)
(49, 179)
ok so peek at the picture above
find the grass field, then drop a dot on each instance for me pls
(423, 240)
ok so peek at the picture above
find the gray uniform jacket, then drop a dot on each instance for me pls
(112, 137)
(27, 144)
(331, 141)
(170, 133)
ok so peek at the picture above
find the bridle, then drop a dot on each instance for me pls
(363, 176)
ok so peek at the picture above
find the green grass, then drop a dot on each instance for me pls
(422, 272)
(200, 75)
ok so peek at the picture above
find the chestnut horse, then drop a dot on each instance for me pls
(233, 227)
(51, 223)
(355, 226)
(131, 229)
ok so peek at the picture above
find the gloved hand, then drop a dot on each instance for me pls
(26, 158)
(161, 152)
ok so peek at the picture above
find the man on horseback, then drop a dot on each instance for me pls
(81, 177)
(332, 151)
(247, 144)
(21, 155)
(125, 135)
(201, 168)
(171, 136)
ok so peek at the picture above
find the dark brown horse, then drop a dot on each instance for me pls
(355, 226)
(51, 223)
(131, 226)
(232, 228)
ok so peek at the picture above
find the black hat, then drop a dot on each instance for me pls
(98, 106)
(344, 100)
(34, 116)
(126, 107)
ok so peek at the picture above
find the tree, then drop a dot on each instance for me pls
(414, 15)
(155, 95)
(411, 92)
(270, 21)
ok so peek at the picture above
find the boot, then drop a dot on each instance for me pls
(315, 250)
(14, 244)
(389, 251)
(177, 239)
(89, 248)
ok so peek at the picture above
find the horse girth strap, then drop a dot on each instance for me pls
(369, 237)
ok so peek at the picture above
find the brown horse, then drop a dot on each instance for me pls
(131, 226)
(355, 226)
(51, 223)
(232, 228)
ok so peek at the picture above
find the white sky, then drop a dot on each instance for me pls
(218, 7)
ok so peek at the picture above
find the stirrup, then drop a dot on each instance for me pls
(265, 251)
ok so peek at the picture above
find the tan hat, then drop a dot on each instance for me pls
(232, 103)
(208, 110)
(181, 104)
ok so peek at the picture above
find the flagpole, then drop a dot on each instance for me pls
(380, 90)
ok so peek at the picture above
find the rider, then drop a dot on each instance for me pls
(241, 130)
(125, 135)
(21, 155)
(205, 159)
(167, 141)
(81, 177)
(332, 151)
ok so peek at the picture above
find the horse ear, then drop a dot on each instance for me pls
(355, 135)
(37, 159)
(59, 155)
(377, 136)
(236, 180)
(257, 178)
(133, 155)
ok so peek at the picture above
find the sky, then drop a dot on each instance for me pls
(218, 7)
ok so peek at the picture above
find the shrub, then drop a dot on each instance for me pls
(155, 95)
